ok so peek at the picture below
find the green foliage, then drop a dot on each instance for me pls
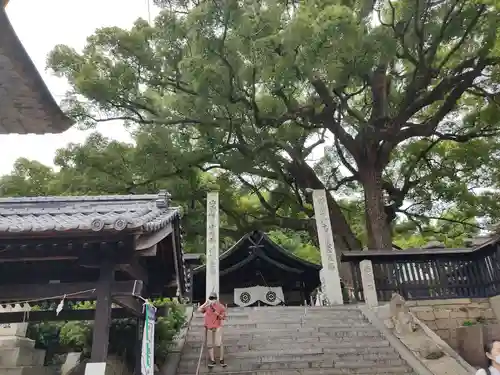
(59, 337)
(469, 323)
(403, 94)
(298, 243)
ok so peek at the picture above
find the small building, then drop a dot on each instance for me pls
(118, 250)
(257, 265)
(26, 105)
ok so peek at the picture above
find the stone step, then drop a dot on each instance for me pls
(303, 332)
(244, 324)
(27, 370)
(296, 308)
(384, 352)
(236, 345)
(283, 362)
(15, 342)
(283, 319)
(22, 356)
(260, 353)
(229, 330)
(289, 340)
(296, 341)
(296, 360)
(284, 333)
(394, 370)
(290, 311)
(288, 314)
(253, 328)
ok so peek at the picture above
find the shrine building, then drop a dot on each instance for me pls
(257, 271)
(117, 250)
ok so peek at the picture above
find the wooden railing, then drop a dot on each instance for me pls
(429, 274)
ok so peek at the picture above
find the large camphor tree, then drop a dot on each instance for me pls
(403, 93)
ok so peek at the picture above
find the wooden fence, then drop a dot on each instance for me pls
(429, 273)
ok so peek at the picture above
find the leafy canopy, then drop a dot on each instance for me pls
(400, 91)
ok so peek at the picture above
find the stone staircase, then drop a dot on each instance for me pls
(295, 340)
(18, 356)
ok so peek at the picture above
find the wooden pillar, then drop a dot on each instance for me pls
(303, 298)
(138, 345)
(191, 283)
(102, 320)
(177, 267)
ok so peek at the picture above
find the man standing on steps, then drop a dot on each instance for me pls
(215, 313)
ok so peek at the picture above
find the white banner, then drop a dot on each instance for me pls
(212, 260)
(248, 296)
(148, 341)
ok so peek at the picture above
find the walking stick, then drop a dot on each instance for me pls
(201, 352)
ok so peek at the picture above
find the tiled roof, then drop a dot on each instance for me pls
(26, 105)
(86, 213)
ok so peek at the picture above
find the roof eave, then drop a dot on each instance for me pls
(70, 233)
(11, 47)
(266, 238)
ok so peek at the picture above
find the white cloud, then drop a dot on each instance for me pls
(43, 24)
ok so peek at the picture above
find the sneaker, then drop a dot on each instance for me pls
(211, 364)
(222, 363)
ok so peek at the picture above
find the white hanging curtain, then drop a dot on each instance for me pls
(272, 296)
(244, 297)
(248, 296)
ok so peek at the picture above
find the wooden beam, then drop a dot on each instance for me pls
(135, 270)
(50, 250)
(176, 265)
(66, 315)
(149, 252)
(37, 259)
(78, 291)
(139, 324)
(146, 241)
(129, 303)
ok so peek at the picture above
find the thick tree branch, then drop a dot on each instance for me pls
(330, 109)
(450, 220)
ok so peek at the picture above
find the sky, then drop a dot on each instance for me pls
(41, 25)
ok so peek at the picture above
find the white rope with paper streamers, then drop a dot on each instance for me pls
(59, 296)
(26, 304)
(60, 306)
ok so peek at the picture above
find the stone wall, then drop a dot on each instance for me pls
(444, 316)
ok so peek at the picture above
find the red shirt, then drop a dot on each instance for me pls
(214, 315)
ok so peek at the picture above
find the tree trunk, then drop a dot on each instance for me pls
(344, 237)
(378, 229)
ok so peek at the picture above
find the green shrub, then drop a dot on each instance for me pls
(76, 336)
